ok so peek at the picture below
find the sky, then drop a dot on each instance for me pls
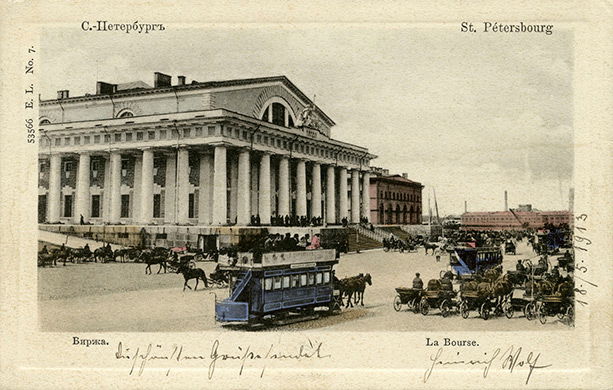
(467, 115)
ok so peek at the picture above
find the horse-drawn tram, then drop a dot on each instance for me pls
(279, 288)
(467, 261)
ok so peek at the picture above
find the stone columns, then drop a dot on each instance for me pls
(283, 186)
(330, 192)
(204, 193)
(146, 190)
(138, 181)
(244, 194)
(316, 191)
(355, 196)
(264, 196)
(301, 200)
(233, 203)
(83, 201)
(342, 193)
(220, 185)
(55, 190)
(115, 187)
(182, 185)
(366, 195)
(170, 189)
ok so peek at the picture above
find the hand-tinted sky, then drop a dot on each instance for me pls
(470, 115)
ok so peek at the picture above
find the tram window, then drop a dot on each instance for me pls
(326, 277)
(267, 284)
(318, 278)
(276, 285)
(285, 282)
(295, 281)
(311, 278)
(303, 280)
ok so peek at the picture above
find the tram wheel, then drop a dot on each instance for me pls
(424, 307)
(529, 311)
(464, 311)
(397, 303)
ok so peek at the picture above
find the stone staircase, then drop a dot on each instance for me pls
(356, 240)
(396, 231)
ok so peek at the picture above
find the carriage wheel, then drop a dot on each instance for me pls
(570, 315)
(414, 305)
(529, 311)
(424, 307)
(541, 314)
(444, 307)
(561, 314)
(484, 311)
(397, 303)
(464, 310)
(442, 274)
(385, 249)
(508, 310)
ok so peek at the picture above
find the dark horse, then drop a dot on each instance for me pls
(192, 273)
(354, 287)
(428, 245)
(150, 259)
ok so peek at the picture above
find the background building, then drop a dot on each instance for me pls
(395, 200)
(513, 219)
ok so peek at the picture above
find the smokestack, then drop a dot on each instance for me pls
(506, 201)
(181, 80)
(465, 206)
(571, 199)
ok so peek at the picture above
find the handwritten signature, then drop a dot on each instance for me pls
(242, 355)
(509, 359)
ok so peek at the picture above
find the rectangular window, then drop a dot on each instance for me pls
(303, 280)
(311, 279)
(211, 130)
(318, 278)
(128, 136)
(117, 137)
(67, 141)
(151, 135)
(326, 277)
(157, 203)
(295, 281)
(276, 285)
(58, 142)
(285, 282)
(68, 166)
(191, 211)
(139, 136)
(96, 139)
(124, 164)
(198, 131)
(162, 134)
(267, 284)
(125, 206)
(95, 206)
(67, 206)
(107, 138)
(86, 140)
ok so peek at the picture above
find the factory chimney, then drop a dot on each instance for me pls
(506, 201)
(465, 206)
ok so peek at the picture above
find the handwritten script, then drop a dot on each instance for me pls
(175, 355)
(511, 359)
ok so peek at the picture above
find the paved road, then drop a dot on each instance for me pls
(120, 297)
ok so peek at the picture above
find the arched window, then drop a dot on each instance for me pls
(44, 122)
(125, 114)
(277, 111)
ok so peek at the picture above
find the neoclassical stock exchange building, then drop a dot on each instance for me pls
(187, 158)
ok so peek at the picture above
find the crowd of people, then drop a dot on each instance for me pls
(288, 220)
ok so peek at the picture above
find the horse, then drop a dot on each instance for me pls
(429, 245)
(192, 273)
(150, 259)
(103, 254)
(355, 285)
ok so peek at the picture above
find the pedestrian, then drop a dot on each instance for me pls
(418, 284)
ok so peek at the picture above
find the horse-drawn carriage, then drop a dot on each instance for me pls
(408, 296)
(555, 301)
(279, 286)
(393, 244)
(438, 294)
